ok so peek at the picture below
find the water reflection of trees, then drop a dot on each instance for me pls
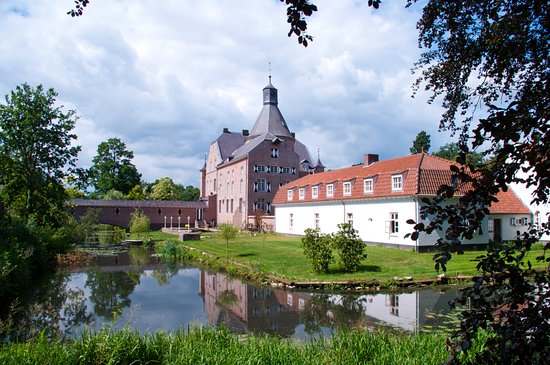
(54, 309)
(333, 311)
(110, 291)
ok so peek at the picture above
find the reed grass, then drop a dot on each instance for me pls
(211, 346)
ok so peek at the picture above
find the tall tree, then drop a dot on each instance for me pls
(190, 193)
(165, 189)
(112, 168)
(421, 143)
(36, 153)
(503, 46)
(451, 151)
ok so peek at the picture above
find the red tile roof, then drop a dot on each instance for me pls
(422, 174)
(509, 203)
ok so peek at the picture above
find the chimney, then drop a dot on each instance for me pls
(370, 158)
(293, 135)
(226, 130)
(245, 132)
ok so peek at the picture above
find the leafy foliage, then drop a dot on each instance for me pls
(421, 143)
(136, 193)
(36, 152)
(228, 232)
(112, 168)
(139, 223)
(504, 44)
(451, 151)
(349, 246)
(318, 249)
(165, 189)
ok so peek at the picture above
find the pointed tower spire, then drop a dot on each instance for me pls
(270, 119)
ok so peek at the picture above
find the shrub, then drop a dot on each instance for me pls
(139, 223)
(318, 249)
(349, 247)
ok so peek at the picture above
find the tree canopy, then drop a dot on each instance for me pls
(112, 168)
(36, 153)
(421, 143)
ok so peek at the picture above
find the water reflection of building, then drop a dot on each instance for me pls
(248, 308)
(245, 308)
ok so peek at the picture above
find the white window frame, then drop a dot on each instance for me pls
(273, 169)
(314, 192)
(274, 152)
(289, 194)
(330, 190)
(349, 219)
(316, 221)
(397, 182)
(392, 225)
(347, 188)
(368, 186)
(261, 185)
(301, 193)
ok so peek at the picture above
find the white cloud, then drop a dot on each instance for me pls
(166, 77)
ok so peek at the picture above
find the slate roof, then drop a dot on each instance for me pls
(138, 203)
(381, 172)
(229, 142)
(270, 119)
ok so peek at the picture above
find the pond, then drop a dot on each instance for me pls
(134, 289)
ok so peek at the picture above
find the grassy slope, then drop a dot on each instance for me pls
(283, 256)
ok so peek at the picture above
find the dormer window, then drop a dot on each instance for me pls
(368, 186)
(330, 190)
(397, 183)
(347, 188)
(274, 152)
(290, 194)
(314, 192)
(301, 193)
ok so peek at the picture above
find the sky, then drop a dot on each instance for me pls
(167, 76)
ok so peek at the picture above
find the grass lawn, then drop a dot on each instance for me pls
(283, 257)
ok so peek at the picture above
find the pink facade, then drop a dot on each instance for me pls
(245, 169)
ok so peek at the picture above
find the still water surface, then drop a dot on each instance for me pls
(134, 289)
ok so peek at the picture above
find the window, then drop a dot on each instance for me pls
(513, 221)
(227, 205)
(397, 183)
(290, 194)
(241, 186)
(260, 168)
(215, 185)
(316, 223)
(537, 219)
(491, 225)
(290, 220)
(314, 192)
(261, 204)
(273, 169)
(159, 211)
(301, 193)
(261, 185)
(368, 186)
(349, 219)
(242, 170)
(347, 188)
(220, 206)
(274, 152)
(523, 221)
(232, 185)
(286, 170)
(330, 190)
(392, 226)
(231, 205)
(240, 205)
(117, 211)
